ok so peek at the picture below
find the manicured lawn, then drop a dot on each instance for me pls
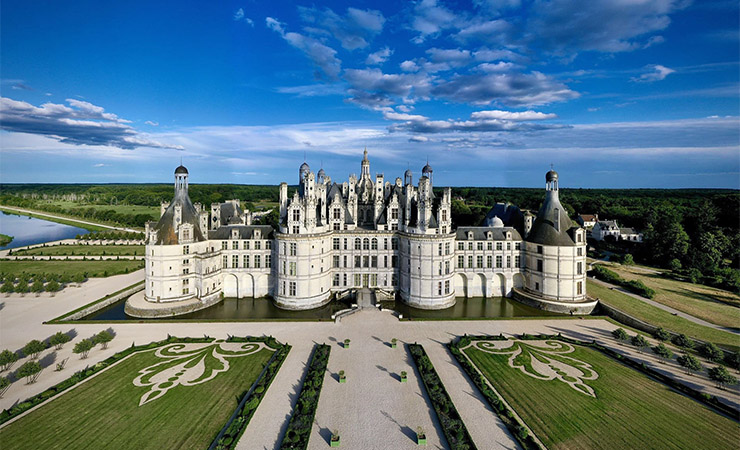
(698, 300)
(83, 250)
(630, 410)
(104, 411)
(93, 269)
(660, 318)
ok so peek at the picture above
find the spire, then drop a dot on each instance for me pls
(364, 158)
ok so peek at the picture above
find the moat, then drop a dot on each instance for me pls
(264, 309)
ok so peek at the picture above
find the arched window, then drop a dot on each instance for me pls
(366, 244)
(374, 244)
(357, 243)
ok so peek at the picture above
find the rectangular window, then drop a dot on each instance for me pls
(508, 262)
(224, 245)
(296, 229)
(539, 249)
(447, 248)
(246, 245)
(439, 250)
(580, 251)
(291, 269)
(374, 279)
(440, 268)
(283, 272)
(394, 244)
(385, 260)
(447, 286)
(470, 245)
(225, 261)
(268, 245)
(268, 261)
(257, 262)
(461, 246)
(335, 243)
(579, 269)
(282, 288)
(537, 286)
(517, 261)
(385, 244)
(185, 291)
(517, 246)
(499, 246)
(508, 246)
(489, 261)
(257, 245)
(345, 243)
(499, 261)
(344, 278)
(358, 261)
(579, 288)
(480, 245)
(292, 288)
(479, 261)
(186, 271)
(394, 261)
(374, 261)
(345, 261)
(235, 245)
(394, 226)
(358, 279)
(293, 249)
(460, 261)
(439, 288)
(470, 261)
(185, 249)
(447, 267)
(394, 280)
(490, 246)
(335, 280)
(336, 226)
(365, 261)
(235, 261)
(335, 261)
(539, 265)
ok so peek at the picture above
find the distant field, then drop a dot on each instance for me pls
(94, 269)
(660, 318)
(83, 250)
(698, 300)
(629, 410)
(105, 411)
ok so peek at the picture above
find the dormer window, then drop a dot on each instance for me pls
(489, 235)
(470, 235)
(296, 215)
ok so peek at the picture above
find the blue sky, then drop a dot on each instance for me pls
(623, 93)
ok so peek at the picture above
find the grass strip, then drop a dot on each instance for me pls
(301, 421)
(229, 435)
(453, 426)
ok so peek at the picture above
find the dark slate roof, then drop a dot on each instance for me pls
(230, 214)
(509, 214)
(165, 228)
(628, 230)
(480, 233)
(245, 231)
(543, 231)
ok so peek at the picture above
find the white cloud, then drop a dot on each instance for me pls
(239, 16)
(409, 66)
(657, 73)
(479, 121)
(322, 56)
(353, 30)
(513, 116)
(379, 57)
(152, 123)
(430, 19)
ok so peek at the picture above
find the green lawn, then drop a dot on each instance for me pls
(5, 239)
(93, 269)
(630, 410)
(80, 250)
(705, 302)
(153, 211)
(104, 411)
(661, 318)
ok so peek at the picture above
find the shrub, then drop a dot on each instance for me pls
(7, 358)
(683, 341)
(620, 335)
(59, 339)
(33, 348)
(30, 370)
(22, 286)
(4, 385)
(661, 334)
(7, 287)
(37, 286)
(733, 360)
(83, 347)
(52, 286)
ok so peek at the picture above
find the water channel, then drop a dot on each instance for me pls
(30, 230)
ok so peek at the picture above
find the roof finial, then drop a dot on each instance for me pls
(551, 166)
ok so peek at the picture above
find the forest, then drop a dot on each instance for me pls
(694, 232)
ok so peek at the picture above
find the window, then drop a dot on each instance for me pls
(293, 249)
(335, 262)
(490, 246)
(439, 249)
(282, 288)
(579, 288)
(268, 245)
(539, 265)
(470, 261)
(480, 245)
(283, 271)
(439, 288)
(365, 261)
(358, 279)
(447, 286)
(447, 248)
(394, 213)
(385, 260)
(508, 262)
(499, 261)
(358, 244)
(373, 279)
(358, 261)
(394, 244)
(186, 234)
(578, 237)
(580, 251)
(447, 267)
(517, 261)
(366, 244)
(335, 243)
(344, 278)
(374, 244)
(394, 226)
(336, 226)
(539, 249)
(235, 261)
(296, 215)
(337, 213)
(235, 245)
(186, 281)
(291, 269)
(345, 261)
(224, 245)
(479, 261)
(335, 280)
(185, 291)
(394, 280)
(257, 245)
(460, 261)
(394, 261)
(268, 261)
(499, 246)
(257, 261)
(440, 268)
(186, 271)
(460, 246)
(292, 288)
(517, 246)
(508, 246)
(537, 286)
(296, 229)
(186, 261)
(579, 268)
(470, 245)
(444, 215)
(374, 261)
(489, 261)
(185, 249)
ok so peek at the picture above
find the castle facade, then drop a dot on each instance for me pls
(390, 236)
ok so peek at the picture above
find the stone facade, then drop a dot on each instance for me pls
(392, 236)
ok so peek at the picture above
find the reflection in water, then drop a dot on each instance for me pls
(265, 309)
(29, 230)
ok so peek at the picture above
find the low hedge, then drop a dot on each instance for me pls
(634, 286)
(453, 427)
(301, 421)
(515, 427)
(29, 403)
(249, 400)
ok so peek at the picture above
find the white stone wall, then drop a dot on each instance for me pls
(560, 275)
(476, 278)
(421, 284)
